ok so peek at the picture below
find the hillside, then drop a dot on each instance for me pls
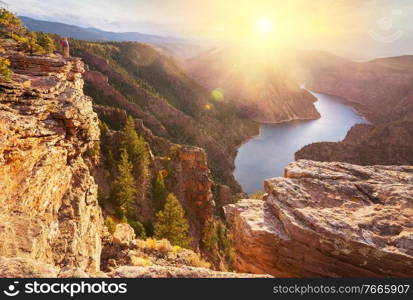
(93, 34)
(170, 46)
(381, 89)
(256, 84)
(151, 87)
(385, 144)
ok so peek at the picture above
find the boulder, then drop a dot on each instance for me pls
(124, 234)
(328, 220)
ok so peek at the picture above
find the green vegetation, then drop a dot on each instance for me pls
(10, 24)
(46, 42)
(171, 223)
(136, 147)
(159, 192)
(29, 42)
(5, 72)
(138, 228)
(257, 195)
(110, 224)
(124, 189)
(216, 240)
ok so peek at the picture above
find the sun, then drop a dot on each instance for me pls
(265, 25)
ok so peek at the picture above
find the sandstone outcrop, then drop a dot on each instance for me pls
(49, 210)
(192, 184)
(328, 220)
(384, 144)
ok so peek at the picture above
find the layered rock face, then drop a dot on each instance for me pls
(380, 88)
(328, 220)
(191, 183)
(385, 144)
(49, 210)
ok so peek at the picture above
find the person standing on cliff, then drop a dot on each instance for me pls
(65, 45)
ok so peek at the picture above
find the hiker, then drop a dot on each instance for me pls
(65, 45)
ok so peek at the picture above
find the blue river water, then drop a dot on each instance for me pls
(266, 155)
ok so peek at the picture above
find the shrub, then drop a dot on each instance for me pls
(5, 72)
(10, 24)
(140, 261)
(138, 228)
(46, 42)
(110, 224)
(257, 195)
(171, 223)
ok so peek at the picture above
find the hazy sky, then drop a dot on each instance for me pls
(209, 17)
(344, 23)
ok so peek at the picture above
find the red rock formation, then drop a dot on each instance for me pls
(328, 220)
(49, 210)
(191, 183)
(380, 88)
(385, 144)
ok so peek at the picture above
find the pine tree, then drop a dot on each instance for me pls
(124, 189)
(136, 146)
(210, 239)
(159, 192)
(171, 223)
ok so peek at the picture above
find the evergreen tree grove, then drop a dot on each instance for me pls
(171, 223)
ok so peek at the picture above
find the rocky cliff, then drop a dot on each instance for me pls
(385, 144)
(49, 210)
(51, 224)
(380, 88)
(328, 220)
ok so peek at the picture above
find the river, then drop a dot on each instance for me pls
(266, 155)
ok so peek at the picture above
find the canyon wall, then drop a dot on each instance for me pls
(49, 210)
(381, 89)
(385, 144)
(328, 220)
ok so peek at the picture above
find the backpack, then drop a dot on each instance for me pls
(64, 43)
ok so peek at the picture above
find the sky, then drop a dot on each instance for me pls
(277, 21)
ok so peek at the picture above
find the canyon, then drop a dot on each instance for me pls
(343, 211)
(51, 222)
(254, 83)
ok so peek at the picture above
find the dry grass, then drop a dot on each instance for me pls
(140, 261)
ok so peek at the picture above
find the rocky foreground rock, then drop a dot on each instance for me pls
(49, 210)
(328, 220)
